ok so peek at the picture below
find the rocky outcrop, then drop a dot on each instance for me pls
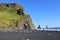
(25, 20)
(19, 19)
(20, 11)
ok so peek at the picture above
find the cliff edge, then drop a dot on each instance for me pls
(12, 16)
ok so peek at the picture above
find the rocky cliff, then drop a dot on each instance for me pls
(12, 16)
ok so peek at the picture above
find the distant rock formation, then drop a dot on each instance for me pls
(39, 27)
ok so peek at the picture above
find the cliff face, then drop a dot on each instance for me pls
(12, 15)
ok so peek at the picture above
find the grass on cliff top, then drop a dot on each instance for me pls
(7, 17)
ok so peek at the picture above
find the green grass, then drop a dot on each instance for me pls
(7, 17)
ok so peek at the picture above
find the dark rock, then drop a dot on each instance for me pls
(20, 11)
(39, 27)
(26, 26)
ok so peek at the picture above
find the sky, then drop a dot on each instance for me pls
(42, 12)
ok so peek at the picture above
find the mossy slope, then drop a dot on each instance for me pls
(9, 16)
